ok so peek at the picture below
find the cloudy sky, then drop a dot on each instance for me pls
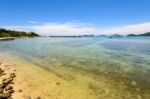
(76, 17)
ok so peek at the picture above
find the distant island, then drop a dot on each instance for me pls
(144, 34)
(116, 36)
(75, 36)
(65, 36)
(12, 33)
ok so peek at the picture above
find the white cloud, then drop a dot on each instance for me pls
(63, 29)
(17, 28)
(76, 28)
(135, 29)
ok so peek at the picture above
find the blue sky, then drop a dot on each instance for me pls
(55, 17)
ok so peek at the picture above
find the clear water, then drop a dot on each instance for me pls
(124, 62)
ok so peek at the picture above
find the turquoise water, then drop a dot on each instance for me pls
(121, 60)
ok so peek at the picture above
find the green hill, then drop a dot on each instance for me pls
(13, 33)
(144, 34)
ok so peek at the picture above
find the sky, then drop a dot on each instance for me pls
(76, 17)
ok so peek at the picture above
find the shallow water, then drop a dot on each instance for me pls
(116, 68)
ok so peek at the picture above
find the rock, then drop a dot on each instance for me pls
(139, 97)
(137, 89)
(3, 79)
(12, 75)
(8, 87)
(38, 97)
(11, 91)
(19, 90)
(133, 83)
(6, 65)
(12, 83)
(4, 95)
(28, 97)
(1, 90)
(1, 71)
(24, 96)
(10, 98)
(58, 83)
(2, 85)
(7, 81)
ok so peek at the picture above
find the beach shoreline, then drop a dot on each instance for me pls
(35, 82)
(7, 38)
(7, 81)
(10, 89)
(77, 70)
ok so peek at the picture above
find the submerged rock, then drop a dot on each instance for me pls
(6, 65)
(1, 90)
(138, 97)
(2, 85)
(12, 83)
(10, 98)
(1, 71)
(8, 88)
(12, 75)
(7, 81)
(11, 91)
(137, 89)
(28, 97)
(3, 79)
(19, 90)
(58, 83)
(133, 83)
(38, 97)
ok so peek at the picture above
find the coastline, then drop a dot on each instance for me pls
(64, 82)
(7, 38)
(38, 83)
(7, 81)
(35, 82)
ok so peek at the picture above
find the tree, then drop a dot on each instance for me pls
(10, 33)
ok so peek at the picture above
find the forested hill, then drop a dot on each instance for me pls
(13, 33)
(144, 34)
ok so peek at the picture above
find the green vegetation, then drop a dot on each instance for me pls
(144, 34)
(13, 33)
(131, 35)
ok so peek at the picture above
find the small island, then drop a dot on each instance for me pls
(144, 34)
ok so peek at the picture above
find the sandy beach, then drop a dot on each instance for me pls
(32, 82)
(74, 49)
